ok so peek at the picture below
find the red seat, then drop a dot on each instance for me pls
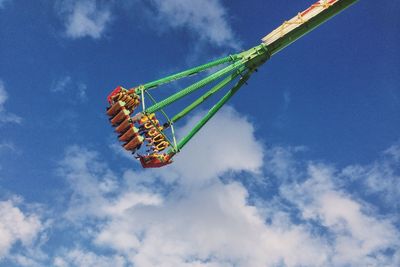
(155, 160)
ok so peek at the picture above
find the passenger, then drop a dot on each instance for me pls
(157, 147)
(115, 97)
(137, 102)
(152, 142)
(152, 123)
(149, 142)
(132, 91)
(144, 118)
(154, 131)
(161, 146)
(131, 104)
(144, 128)
(158, 138)
(137, 117)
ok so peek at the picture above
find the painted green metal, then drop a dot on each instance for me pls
(256, 56)
(205, 96)
(308, 26)
(190, 89)
(213, 111)
(243, 64)
(154, 102)
(172, 144)
(251, 58)
(189, 72)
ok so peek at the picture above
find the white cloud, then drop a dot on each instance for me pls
(226, 143)
(207, 18)
(90, 181)
(281, 162)
(66, 84)
(85, 18)
(7, 146)
(5, 116)
(82, 88)
(184, 215)
(82, 258)
(394, 152)
(197, 225)
(17, 227)
(211, 225)
(359, 237)
(120, 151)
(380, 178)
(61, 84)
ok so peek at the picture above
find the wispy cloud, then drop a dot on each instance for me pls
(61, 84)
(80, 257)
(85, 18)
(3, 2)
(19, 227)
(202, 221)
(208, 224)
(357, 236)
(185, 215)
(66, 84)
(207, 19)
(7, 146)
(5, 116)
(380, 178)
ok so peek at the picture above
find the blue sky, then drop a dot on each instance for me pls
(300, 169)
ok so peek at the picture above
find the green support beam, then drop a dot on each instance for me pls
(251, 58)
(189, 72)
(192, 88)
(246, 62)
(212, 111)
(209, 93)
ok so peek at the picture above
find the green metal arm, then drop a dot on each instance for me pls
(212, 111)
(209, 93)
(190, 89)
(251, 58)
(189, 72)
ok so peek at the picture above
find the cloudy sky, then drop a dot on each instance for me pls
(301, 169)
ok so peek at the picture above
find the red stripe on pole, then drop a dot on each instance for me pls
(316, 4)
